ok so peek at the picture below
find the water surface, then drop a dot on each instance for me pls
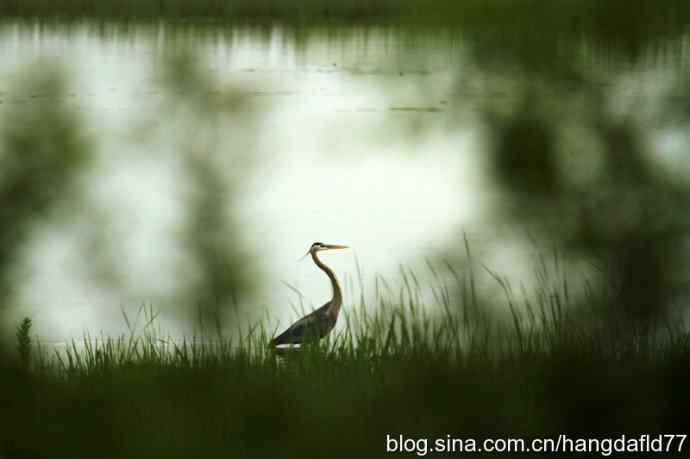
(369, 137)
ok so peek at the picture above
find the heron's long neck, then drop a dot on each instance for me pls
(337, 294)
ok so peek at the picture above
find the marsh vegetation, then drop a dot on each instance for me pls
(397, 371)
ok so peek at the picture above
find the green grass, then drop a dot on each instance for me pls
(550, 368)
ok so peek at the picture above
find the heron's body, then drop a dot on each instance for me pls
(321, 321)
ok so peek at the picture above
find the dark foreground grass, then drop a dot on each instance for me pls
(398, 371)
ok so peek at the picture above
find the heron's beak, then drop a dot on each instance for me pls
(305, 255)
(335, 246)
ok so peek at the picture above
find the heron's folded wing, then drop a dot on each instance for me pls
(296, 333)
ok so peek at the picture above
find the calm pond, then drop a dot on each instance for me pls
(372, 137)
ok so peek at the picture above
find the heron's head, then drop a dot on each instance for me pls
(319, 246)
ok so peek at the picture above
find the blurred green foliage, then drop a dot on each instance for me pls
(42, 152)
(599, 196)
(535, 31)
(212, 234)
(45, 159)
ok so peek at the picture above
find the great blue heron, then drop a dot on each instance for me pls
(320, 322)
